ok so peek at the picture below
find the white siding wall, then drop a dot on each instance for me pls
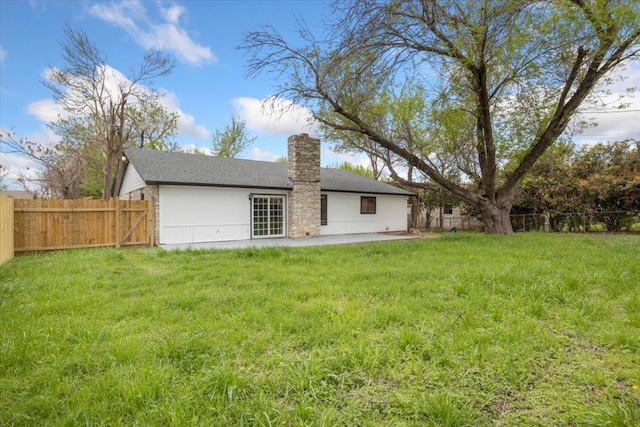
(204, 214)
(344, 217)
(132, 181)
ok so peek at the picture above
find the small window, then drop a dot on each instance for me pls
(448, 210)
(367, 205)
(323, 209)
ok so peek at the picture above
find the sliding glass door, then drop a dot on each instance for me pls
(268, 214)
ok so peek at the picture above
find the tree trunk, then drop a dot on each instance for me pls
(106, 178)
(496, 217)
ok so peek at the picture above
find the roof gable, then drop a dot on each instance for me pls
(176, 168)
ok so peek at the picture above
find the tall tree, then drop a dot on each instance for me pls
(233, 139)
(499, 81)
(99, 96)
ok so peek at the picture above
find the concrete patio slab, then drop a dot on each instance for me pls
(340, 239)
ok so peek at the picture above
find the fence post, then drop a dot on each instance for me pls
(547, 222)
(6, 229)
(151, 226)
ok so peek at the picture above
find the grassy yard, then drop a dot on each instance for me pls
(465, 330)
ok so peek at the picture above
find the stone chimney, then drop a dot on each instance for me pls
(304, 174)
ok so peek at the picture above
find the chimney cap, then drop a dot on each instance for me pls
(304, 135)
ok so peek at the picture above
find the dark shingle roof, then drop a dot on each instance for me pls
(174, 168)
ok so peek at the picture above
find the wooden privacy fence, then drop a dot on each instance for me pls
(64, 224)
(6, 229)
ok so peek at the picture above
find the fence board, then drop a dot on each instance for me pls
(6, 229)
(59, 224)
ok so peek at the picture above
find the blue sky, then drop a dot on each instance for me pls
(209, 84)
(207, 87)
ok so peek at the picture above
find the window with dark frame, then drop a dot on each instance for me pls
(367, 205)
(448, 210)
(323, 209)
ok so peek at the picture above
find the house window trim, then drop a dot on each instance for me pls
(324, 209)
(371, 203)
(283, 219)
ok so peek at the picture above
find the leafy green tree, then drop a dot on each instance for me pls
(146, 124)
(152, 124)
(602, 179)
(490, 82)
(608, 181)
(550, 183)
(233, 139)
(357, 169)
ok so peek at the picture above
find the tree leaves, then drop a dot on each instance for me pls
(233, 139)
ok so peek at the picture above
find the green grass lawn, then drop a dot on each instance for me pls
(464, 330)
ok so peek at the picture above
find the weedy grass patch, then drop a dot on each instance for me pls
(465, 330)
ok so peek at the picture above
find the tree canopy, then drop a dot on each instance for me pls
(599, 179)
(110, 109)
(233, 139)
(468, 95)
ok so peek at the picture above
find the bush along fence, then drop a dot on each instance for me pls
(584, 222)
(570, 222)
(43, 224)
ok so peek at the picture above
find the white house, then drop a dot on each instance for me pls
(205, 199)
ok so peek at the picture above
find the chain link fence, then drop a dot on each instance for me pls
(585, 222)
(568, 222)
(458, 223)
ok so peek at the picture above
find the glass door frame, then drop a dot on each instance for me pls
(271, 198)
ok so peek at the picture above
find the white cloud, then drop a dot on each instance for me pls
(3, 54)
(46, 137)
(16, 166)
(168, 35)
(274, 116)
(17, 162)
(172, 14)
(192, 148)
(187, 126)
(260, 154)
(613, 123)
(186, 122)
(46, 110)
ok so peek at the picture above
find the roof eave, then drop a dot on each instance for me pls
(264, 187)
(199, 184)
